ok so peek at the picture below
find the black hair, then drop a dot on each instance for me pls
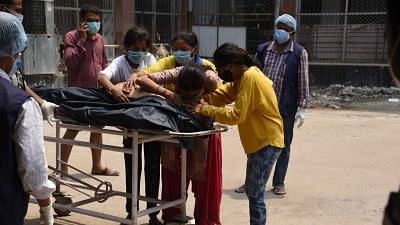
(230, 53)
(392, 33)
(136, 34)
(189, 37)
(191, 78)
(89, 8)
(7, 2)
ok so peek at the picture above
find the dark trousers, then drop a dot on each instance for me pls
(283, 160)
(152, 155)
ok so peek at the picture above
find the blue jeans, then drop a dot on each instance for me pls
(259, 166)
(283, 160)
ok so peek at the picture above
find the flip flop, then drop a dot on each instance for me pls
(106, 172)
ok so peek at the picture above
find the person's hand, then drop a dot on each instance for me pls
(83, 29)
(46, 215)
(48, 111)
(119, 95)
(129, 85)
(196, 108)
(300, 116)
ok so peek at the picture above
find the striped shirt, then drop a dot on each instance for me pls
(275, 69)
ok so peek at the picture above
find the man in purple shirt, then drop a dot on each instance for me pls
(85, 57)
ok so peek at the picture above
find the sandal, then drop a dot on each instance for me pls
(106, 172)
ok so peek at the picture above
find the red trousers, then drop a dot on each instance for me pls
(207, 191)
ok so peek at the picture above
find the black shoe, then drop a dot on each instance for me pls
(279, 190)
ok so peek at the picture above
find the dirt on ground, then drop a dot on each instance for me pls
(344, 163)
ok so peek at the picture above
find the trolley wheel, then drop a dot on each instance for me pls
(63, 200)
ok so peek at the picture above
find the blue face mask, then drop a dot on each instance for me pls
(183, 57)
(136, 57)
(93, 27)
(281, 36)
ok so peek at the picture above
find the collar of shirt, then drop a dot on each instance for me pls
(4, 75)
(272, 47)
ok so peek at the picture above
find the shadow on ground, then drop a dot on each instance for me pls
(242, 196)
(57, 221)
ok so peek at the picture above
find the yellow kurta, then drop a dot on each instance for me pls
(255, 111)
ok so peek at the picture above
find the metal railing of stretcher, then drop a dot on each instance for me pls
(64, 205)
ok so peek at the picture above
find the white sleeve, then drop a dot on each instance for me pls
(151, 60)
(29, 147)
(111, 70)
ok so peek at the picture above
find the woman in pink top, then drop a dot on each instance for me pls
(205, 159)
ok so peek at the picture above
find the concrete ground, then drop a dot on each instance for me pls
(343, 166)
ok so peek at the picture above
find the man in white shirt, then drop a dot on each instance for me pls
(23, 166)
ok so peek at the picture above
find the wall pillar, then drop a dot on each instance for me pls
(124, 18)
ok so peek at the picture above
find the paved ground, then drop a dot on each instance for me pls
(344, 164)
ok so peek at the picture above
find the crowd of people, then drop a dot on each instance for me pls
(270, 94)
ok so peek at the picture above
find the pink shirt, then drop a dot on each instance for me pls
(168, 77)
(84, 59)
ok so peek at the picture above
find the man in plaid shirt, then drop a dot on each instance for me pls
(285, 62)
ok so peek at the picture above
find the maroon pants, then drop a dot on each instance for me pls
(207, 192)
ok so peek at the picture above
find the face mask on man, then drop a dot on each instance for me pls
(136, 57)
(93, 27)
(183, 57)
(281, 36)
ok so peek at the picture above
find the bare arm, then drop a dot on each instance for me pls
(149, 85)
(117, 93)
(105, 82)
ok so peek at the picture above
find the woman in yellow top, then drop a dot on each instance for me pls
(256, 114)
(185, 52)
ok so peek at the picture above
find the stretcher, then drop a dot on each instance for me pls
(64, 204)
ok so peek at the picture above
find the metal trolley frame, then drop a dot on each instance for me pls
(64, 205)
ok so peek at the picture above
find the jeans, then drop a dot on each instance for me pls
(152, 155)
(259, 166)
(283, 160)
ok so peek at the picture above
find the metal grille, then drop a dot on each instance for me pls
(35, 19)
(161, 18)
(256, 15)
(343, 31)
